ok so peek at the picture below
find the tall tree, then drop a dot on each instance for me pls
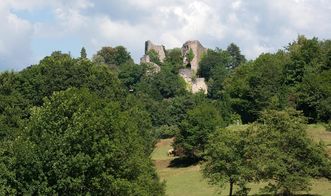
(214, 59)
(228, 160)
(201, 121)
(83, 53)
(304, 53)
(285, 155)
(236, 57)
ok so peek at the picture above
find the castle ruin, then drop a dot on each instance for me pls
(189, 73)
(159, 49)
(197, 49)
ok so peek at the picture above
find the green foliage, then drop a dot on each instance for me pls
(59, 72)
(213, 60)
(213, 67)
(276, 149)
(167, 131)
(314, 96)
(297, 77)
(169, 84)
(326, 54)
(228, 161)
(13, 106)
(304, 53)
(114, 56)
(98, 60)
(236, 57)
(190, 55)
(174, 60)
(195, 128)
(79, 144)
(83, 53)
(154, 57)
(258, 85)
(164, 84)
(308, 75)
(284, 154)
(216, 83)
(174, 57)
(170, 112)
(130, 74)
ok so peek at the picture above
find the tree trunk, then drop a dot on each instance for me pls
(231, 186)
(287, 192)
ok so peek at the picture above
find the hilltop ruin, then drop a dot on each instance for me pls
(194, 84)
(159, 49)
(197, 49)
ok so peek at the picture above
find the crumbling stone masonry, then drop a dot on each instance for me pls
(188, 74)
(198, 51)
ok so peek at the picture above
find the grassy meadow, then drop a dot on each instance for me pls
(188, 180)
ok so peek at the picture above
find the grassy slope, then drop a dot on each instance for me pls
(189, 181)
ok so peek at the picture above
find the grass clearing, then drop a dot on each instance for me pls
(188, 181)
(318, 133)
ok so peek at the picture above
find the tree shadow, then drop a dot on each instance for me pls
(184, 162)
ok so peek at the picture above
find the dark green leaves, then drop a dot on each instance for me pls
(78, 143)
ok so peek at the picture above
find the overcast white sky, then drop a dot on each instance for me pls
(32, 29)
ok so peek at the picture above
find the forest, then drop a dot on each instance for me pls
(80, 126)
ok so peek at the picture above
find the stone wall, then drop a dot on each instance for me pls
(193, 84)
(198, 85)
(198, 51)
(160, 49)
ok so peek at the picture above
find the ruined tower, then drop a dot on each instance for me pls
(198, 51)
(159, 49)
(189, 74)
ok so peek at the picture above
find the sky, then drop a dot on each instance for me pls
(33, 29)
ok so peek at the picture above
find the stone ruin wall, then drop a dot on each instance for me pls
(160, 49)
(193, 84)
(198, 51)
(198, 85)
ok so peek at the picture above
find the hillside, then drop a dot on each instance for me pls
(188, 180)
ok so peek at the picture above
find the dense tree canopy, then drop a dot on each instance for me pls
(212, 60)
(113, 56)
(174, 57)
(78, 144)
(201, 121)
(60, 71)
(257, 85)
